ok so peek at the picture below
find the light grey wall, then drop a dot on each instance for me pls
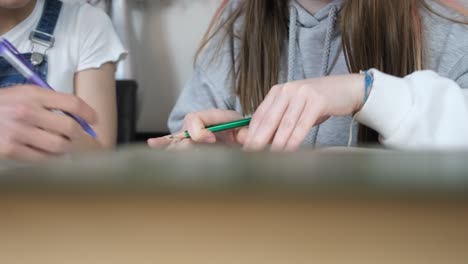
(164, 36)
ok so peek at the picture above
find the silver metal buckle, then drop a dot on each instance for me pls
(38, 57)
(35, 40)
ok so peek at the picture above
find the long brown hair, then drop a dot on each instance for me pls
(382, 34)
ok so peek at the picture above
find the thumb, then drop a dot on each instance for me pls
(160, 142)
(241, 135)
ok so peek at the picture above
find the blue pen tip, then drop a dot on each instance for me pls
(92, 133)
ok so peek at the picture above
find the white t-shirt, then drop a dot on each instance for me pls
(84, 39)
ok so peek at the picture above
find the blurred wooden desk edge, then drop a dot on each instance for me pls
(229, 170)
(224, 206)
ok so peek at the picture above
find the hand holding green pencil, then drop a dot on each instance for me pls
(201, 127)
(217, 128)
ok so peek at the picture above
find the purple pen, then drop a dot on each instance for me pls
(11, 54)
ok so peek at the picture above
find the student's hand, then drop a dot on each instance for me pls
(195, 124)
(289, 111)
(30, 131)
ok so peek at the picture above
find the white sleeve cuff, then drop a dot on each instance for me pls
(389, 103)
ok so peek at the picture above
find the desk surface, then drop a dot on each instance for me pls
(224, 206)
(219, 169)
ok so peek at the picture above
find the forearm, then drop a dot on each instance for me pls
(97, 88)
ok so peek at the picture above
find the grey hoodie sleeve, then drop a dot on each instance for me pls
(200, 93)
(211, 85)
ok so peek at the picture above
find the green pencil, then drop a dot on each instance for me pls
(217, 128)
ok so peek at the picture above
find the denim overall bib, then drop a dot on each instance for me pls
(42, 36)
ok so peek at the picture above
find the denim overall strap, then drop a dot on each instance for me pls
(43, 35)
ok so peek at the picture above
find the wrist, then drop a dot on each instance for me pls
(366, 81)
(358, 86)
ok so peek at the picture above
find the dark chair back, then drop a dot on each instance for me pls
(126, 111)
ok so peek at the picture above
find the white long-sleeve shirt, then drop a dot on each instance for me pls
(420, 111)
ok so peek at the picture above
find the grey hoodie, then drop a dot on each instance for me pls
(314, 50)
